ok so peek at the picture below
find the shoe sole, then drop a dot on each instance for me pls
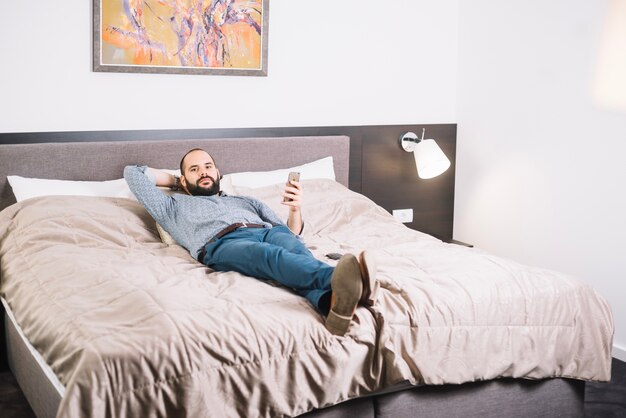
(347, 288)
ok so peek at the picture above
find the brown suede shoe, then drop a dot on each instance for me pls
(347, 287)
(367, 263)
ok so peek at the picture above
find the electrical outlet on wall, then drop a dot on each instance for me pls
(403, 215)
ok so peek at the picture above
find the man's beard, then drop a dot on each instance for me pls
(197, 190)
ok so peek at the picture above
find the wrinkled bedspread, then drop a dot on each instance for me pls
(133, 327)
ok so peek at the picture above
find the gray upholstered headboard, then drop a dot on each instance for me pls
(106, 160)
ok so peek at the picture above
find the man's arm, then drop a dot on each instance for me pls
(293, 199)
(161, 178)
(294, 220)
(143, 182)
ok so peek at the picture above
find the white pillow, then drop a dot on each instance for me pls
(319, 169)
(26, 188)
(168, 171)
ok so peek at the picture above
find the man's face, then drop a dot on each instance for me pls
(200, 177)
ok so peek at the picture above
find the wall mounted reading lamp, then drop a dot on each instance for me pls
(430, 160)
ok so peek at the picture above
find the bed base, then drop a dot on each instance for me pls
(503, 398)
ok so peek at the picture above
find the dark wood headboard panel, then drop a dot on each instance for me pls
(379, 168)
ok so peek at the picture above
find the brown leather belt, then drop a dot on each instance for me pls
(230, 228)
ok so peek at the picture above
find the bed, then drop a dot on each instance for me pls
(105, 319)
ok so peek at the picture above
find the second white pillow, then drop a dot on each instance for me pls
(319, 169)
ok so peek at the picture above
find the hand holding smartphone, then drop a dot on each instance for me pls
(293, 176)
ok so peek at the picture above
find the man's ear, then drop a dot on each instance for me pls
(219, 175)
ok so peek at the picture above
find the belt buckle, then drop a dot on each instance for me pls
(243, 225)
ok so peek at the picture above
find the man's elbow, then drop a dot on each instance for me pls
(128, 171)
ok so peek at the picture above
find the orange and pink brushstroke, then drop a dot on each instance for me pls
(182, 33)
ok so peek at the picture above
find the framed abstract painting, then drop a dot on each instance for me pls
(219, 37)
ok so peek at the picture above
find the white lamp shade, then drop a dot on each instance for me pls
(430, 159)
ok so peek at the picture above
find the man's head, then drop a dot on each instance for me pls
(199, 175)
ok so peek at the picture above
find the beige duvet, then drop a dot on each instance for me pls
(133, 327)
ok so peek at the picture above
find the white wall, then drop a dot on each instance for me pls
(343, 62)
(540, 163)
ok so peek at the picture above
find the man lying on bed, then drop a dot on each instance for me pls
(238, 233)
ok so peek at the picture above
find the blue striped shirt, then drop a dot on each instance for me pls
(193, 220)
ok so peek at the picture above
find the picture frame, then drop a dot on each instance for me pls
(209, 37)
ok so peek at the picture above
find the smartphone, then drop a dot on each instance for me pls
(293, 176)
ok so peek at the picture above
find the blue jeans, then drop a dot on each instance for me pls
(274, 254)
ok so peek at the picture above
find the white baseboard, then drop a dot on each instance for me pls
(619, 352)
